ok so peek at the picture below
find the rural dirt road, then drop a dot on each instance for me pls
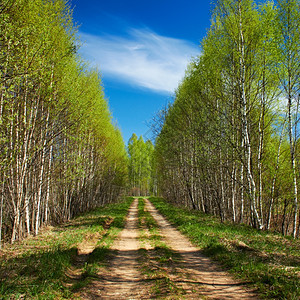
(199, 277)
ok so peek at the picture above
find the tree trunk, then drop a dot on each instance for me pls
(233, 191)
(245, 130)
(293, 166)
(1, 209)
(274, 180)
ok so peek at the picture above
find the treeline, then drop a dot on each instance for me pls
(60, 154)
(142, 177)
(228, 144)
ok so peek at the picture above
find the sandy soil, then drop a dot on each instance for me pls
(124, 281)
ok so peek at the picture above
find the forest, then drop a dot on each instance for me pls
(60, 153)
(141, 168)
(226, 145)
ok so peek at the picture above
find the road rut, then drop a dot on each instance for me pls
(215, 283)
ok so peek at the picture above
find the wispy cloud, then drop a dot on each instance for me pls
(143, 58)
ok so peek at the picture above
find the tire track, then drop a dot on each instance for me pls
(124, 277)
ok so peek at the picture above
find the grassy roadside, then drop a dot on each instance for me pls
(158, 262)
(266, 260)
(37, 267)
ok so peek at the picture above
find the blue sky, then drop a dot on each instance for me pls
(141, 49)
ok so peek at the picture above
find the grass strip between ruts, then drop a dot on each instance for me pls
(157, 263)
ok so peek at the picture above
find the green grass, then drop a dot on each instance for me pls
(266, 260)
(37, 267)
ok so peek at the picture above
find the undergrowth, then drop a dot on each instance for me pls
(263, 259)
(36, 268)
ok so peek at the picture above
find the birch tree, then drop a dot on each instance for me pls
(288, 73)
(60, 153)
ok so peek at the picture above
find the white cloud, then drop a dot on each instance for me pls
(144, 58)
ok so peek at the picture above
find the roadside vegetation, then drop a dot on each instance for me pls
(41, 267)
(267, 260)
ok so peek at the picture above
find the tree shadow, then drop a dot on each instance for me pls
(35, 274)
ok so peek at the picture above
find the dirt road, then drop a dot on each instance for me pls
(199, 277)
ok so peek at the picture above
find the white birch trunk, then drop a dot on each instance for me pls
(41, 175)
(246, 135)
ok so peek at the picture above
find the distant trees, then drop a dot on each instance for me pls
(141, 168)
(60, 154)
(228, 145)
